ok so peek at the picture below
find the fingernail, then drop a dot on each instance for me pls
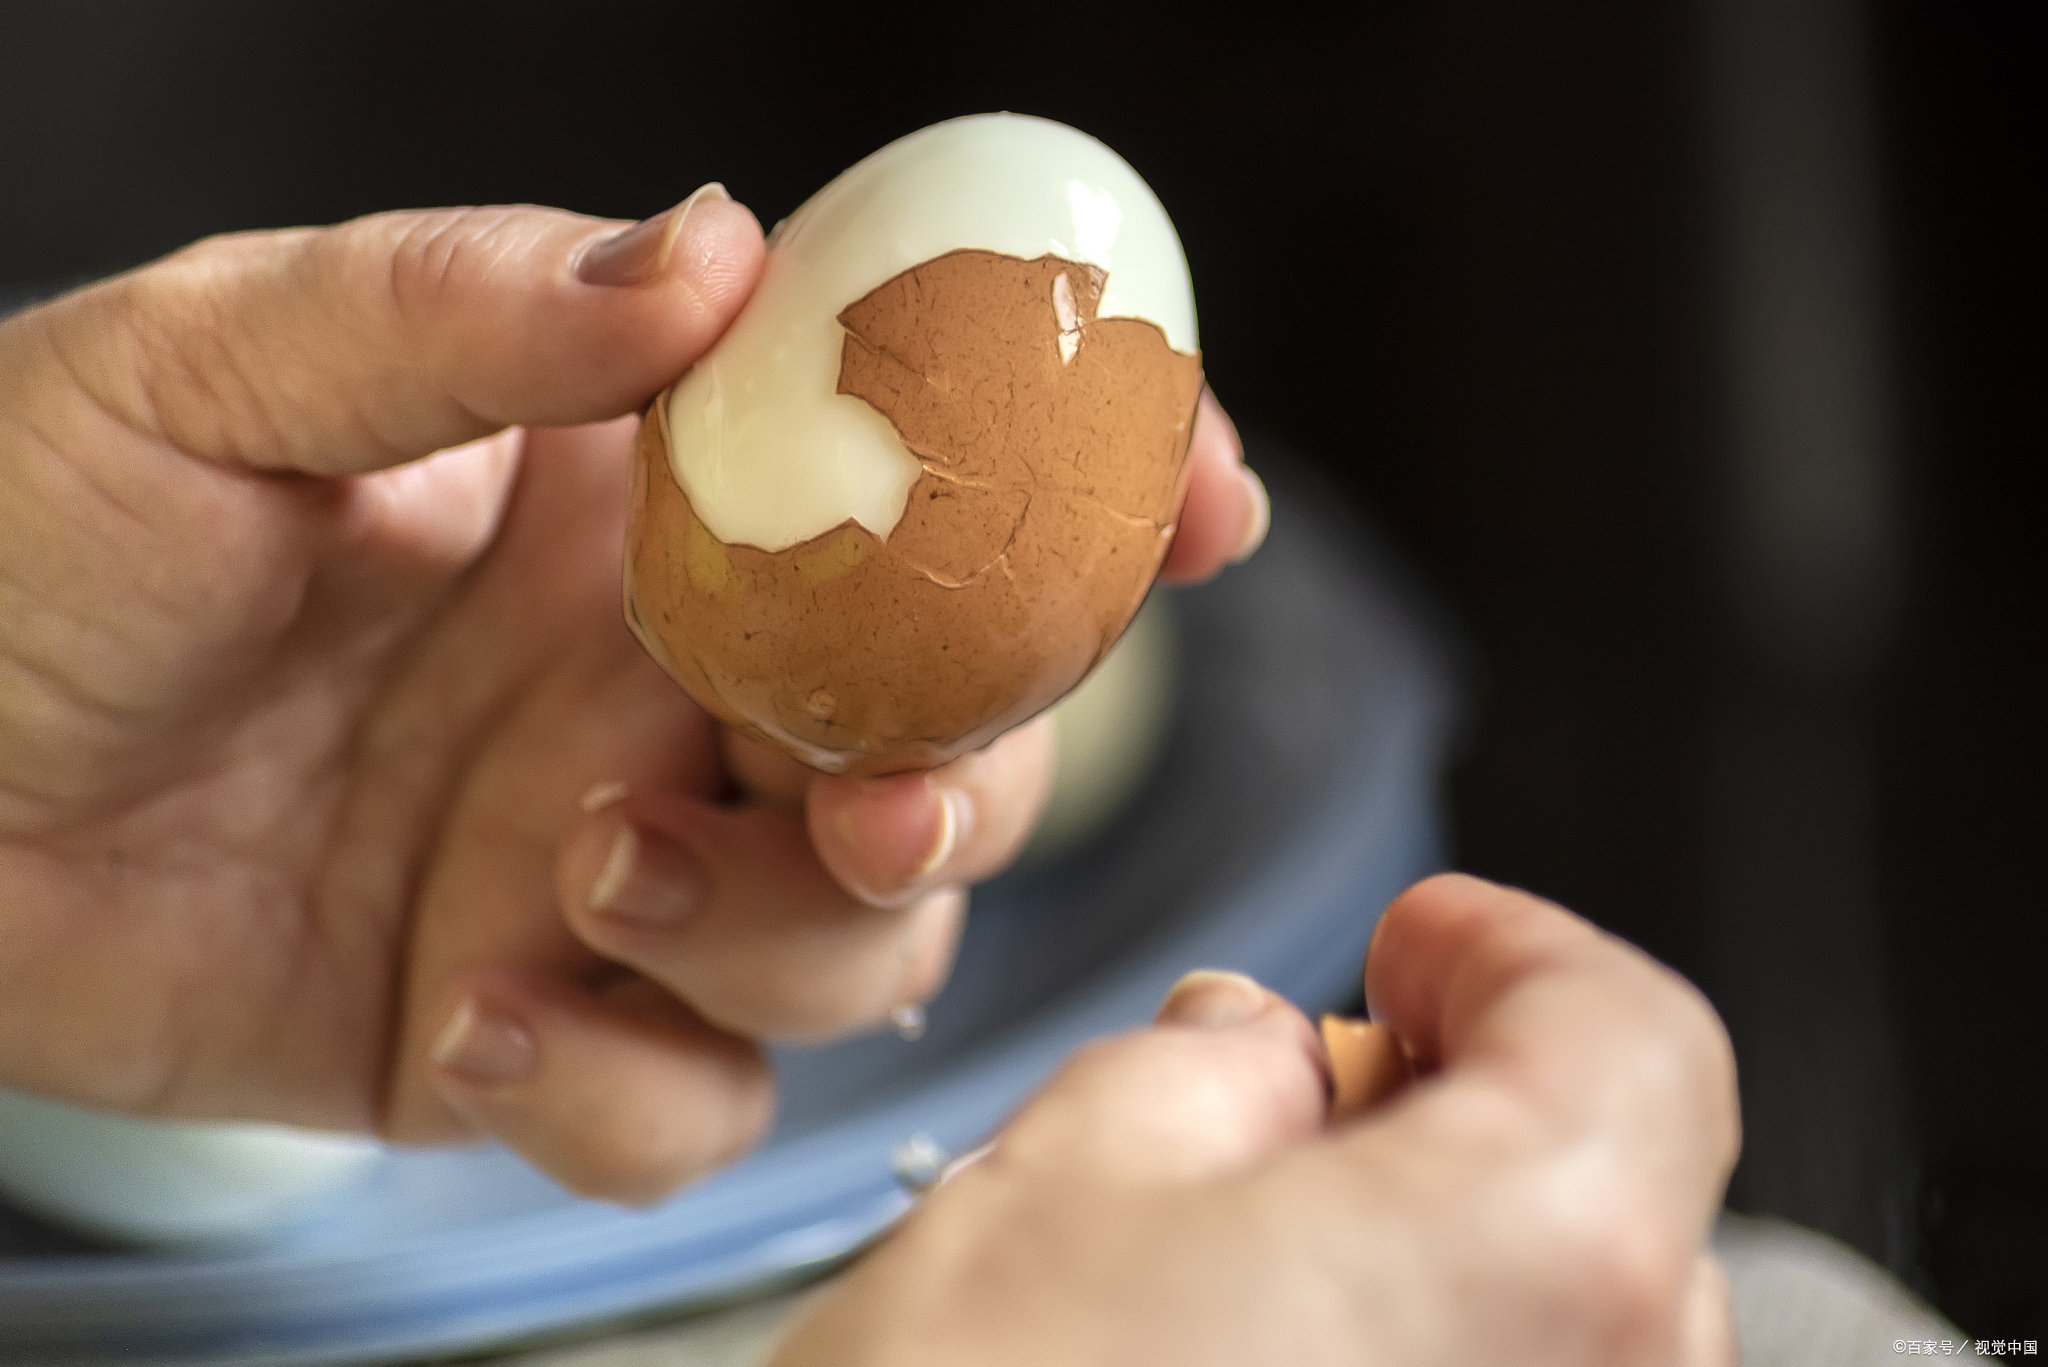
(1212, 998)
(879, 825)
(1261, 517)
(952, 816)
(641, 253)
(484, 1048)
(648, 879)
(599, 796)
(964, 1162)
(1222, 415)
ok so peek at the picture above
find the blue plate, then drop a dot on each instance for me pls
(1295, 795)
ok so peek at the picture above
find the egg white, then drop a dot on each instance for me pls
(768, 453)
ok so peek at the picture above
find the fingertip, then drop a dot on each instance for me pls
(1225, 514)
(884, 839)
(1006, 786)
(889, 840)
(722, 254)
(1213, 998)
(1415, 950)
(1211, 414)
(1707, 1317)
(621, 1095)
(1258, 517)
(1231, 1074)
(1229, 1002)
(1442, 907)
(644, 253)
(1226, 1000)
(487, 309)
(636, 867)
(703, 264)
(663, 291)
(929, 947)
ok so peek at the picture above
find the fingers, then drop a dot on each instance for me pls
(620, 1094)
(823, 908)
(1230, 1074)
(731, 910)
(1578, 1083)
(1588, 1033)
(1226, 513)
(891, 839)
(1707, 1318)
(341, 350)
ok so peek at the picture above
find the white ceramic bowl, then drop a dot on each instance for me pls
(167, 1183)
(1110, 730)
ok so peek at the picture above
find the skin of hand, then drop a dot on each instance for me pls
(1541, 1195)
(334, 791)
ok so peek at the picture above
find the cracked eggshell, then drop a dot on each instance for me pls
(924, 481)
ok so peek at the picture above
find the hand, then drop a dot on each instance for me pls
(1542, 1195)
(295, 716)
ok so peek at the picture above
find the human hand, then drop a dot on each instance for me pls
(295, 716)
(1542, 1195)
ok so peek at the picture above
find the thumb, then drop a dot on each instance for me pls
(340, 350)
(1229, 1074)
(1706, 1323)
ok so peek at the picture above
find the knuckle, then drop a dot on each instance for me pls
(1682, 1063)
(188, 352)
(1618, 1271)
(428, 252)
(1710, 1059)
(438, 265)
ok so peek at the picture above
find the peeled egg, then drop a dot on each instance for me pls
(923, 482)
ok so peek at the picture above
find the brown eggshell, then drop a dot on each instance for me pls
(1366, 1065)
(1054, 453)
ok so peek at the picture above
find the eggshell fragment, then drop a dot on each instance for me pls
(1052, 446)
(1366, 1065)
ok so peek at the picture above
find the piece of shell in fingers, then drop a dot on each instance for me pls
(1367, 1065)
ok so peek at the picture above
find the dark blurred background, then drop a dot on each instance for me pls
(1679, 347)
